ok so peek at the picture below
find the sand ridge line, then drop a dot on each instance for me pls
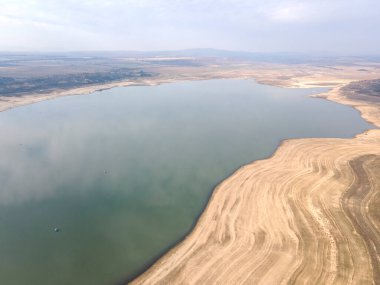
(282, 220)
(282, 75)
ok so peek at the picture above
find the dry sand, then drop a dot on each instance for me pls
(307, 215)
(11, 102)
(300, 75)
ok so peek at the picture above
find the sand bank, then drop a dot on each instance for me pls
(298, 76)
(10, 102)
(307, 215)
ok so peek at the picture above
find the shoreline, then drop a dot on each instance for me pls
(11, 102)
(173, 267)
(183, 261)
(302, 76)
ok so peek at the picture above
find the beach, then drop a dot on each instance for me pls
(190, 142)
(305, 215)
(282, 75)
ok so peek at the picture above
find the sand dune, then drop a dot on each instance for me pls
(307, 215)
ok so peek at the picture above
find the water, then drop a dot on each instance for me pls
(123, 173)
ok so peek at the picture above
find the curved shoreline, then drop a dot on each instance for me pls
(220, 232)
(217, 246)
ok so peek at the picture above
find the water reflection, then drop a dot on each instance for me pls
(124, 172)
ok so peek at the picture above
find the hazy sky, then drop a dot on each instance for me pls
(339, 26)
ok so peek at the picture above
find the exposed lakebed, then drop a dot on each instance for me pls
(93, 188)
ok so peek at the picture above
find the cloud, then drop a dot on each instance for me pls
(171, 24)
(291, 13)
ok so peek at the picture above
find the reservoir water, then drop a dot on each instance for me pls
(93, 188)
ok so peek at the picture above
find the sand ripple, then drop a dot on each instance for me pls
(307, 215)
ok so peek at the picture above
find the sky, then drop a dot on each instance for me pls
(329, 26)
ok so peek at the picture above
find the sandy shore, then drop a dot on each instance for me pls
(10, 102)
(297, 76)
(307, 215)
(294, 218)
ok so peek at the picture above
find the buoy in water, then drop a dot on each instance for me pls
(56, 230)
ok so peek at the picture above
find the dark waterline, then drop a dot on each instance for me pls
(124, 173)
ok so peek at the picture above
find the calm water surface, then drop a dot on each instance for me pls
(123, 173)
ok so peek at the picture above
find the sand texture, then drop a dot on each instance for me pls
(300, 75)
(307, 215)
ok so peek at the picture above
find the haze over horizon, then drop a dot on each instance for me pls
(343, 27)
